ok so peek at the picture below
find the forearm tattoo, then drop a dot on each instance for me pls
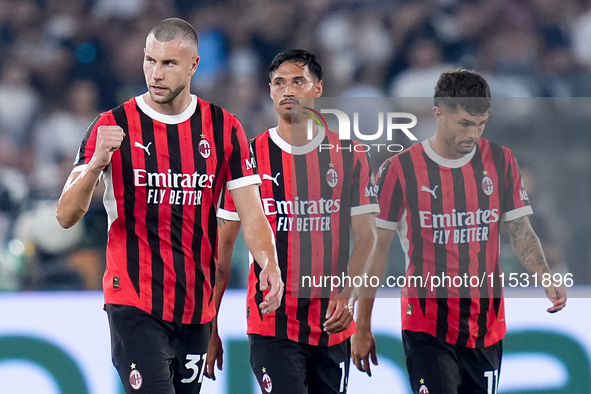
(220, 274)
(526, 245)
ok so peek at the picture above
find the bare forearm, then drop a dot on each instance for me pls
(363, 251)
(362, 261)
(227, 233)
(363, 315)
(76, 196)
(77, 193)
(257, 232)
(221, 281)
(259, 239)
(362, 256)
(221, 284)
(526, 246)
(380, 256)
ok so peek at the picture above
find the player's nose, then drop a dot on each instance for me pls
(157, 73)
(474, 133)
(288, 91)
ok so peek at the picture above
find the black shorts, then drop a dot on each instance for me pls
(282, 366)
(439, 367)
(155, 356)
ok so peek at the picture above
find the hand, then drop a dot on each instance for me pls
(339, 315)
(556, 294)
(108, 140)
(270, 278)
(363, 345)
(215, 353)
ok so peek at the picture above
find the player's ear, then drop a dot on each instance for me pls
(437, 113)
(319, 88)
(194, 64)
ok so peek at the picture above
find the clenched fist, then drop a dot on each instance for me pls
(108, 140)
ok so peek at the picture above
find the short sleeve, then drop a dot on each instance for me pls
(241, 169)
(227, 209)
(88, 144)
(515, 199)
(390, 195)
(364, 194)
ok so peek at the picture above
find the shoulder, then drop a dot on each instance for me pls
(498, 151)
(407, 153)
(120, 111)
(393, 164)
(331, 135)
(263, 136)
(349, 147)
(259, 139)
(120, 108)
(216, 110)
(108, 117)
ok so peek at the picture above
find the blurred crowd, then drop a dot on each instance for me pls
(64, 61)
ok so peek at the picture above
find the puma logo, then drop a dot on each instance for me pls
(270, 178)
(426, 189)
(138, 145)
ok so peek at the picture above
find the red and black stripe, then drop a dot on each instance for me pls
(163, 254)
(302, 313)
(466, 316)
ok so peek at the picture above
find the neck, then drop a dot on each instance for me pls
(295, 134)
(175, 107)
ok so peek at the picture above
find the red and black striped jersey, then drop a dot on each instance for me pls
(162, 190)
(447, 214)
(309, 194)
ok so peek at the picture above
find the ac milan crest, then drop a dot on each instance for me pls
(332, 177)
(487, 185)
(204, 149)
(267, 384)
(135, 379)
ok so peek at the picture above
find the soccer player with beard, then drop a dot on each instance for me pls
(165, 157)
(446, 197)
(313, 199)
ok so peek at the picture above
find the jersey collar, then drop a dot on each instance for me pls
(444, 162)
(297, 149)
(168, 119)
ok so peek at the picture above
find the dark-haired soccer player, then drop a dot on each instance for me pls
(446, 197)
(166, 156)
(313, 198)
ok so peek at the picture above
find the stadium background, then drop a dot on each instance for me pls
(64, 61)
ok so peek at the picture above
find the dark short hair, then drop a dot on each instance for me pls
(463, 89)
(173, 28)
(302, 56)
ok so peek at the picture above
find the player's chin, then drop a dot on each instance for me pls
(465, 148)
(286, 115)
(159, 98)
